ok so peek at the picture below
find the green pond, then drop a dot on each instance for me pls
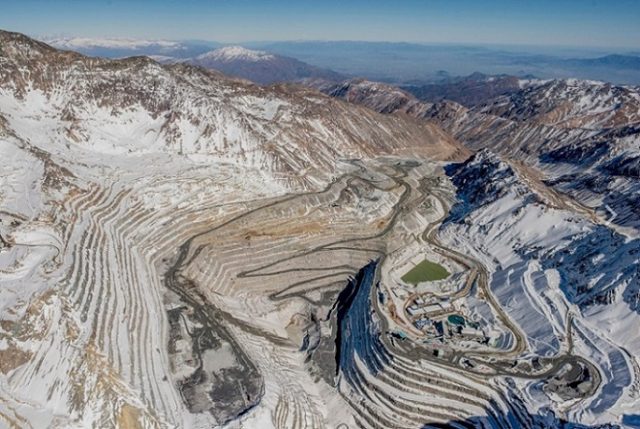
(456, 319)
(425, 271)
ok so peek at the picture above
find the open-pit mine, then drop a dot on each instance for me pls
(182, 249)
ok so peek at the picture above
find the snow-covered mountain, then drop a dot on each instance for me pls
(236, 61)
(229, 54)
(583, 136)
(76, 43)
(259, 66)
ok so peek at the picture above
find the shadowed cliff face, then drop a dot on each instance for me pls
(357, 332)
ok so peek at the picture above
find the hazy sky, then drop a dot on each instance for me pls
(611, 23)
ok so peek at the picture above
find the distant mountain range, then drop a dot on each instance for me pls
(398, 63)
(401, 63)
(124, 47)
(257, 66)
(631, 62)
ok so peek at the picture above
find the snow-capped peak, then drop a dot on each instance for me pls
(234, 53)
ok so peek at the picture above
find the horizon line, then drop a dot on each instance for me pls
(46, 38)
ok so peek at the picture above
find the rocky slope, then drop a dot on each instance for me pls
(381, 97)
(582, 136)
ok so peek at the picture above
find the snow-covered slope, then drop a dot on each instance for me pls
(569, 103)
(546, 263)
(582, 136)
